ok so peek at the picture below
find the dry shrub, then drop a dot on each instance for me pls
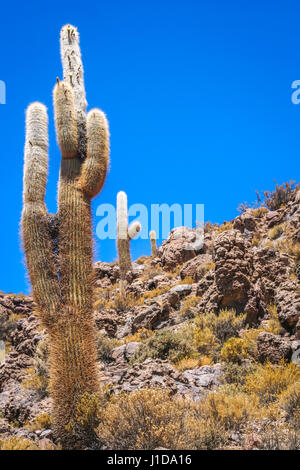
(186, 280)
(143, 420)
(230, 407)
(223, 228)
(164, 344)
(36, 382)
(191, 363)
(205, 341)
(290, 402)
(20, 443)
(224, 325)
(259, 212)
(236, 374)
(188, 305)
(269, 435)
(205, 267)
(42, 421)
(268, 381)
(234, 350)
(282, 194)
(276, 231)
(141, 335)
(105, 346)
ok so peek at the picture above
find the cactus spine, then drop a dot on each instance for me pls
(124, 234)
(62, 278)
(152, 236)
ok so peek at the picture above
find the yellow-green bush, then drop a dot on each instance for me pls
(143, 420)
(205, 267)
(105, 346)
(41, 421)
(224, 325)
(234, 350)
(276, 231)
(205, 341)
(290, 402)
(36, 382)
(164, 344)
(20, 443)
(229, 406)
(188, 305)
(268, 381)
(226, 226)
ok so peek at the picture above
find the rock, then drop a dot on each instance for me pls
(178, 248)
(232, 286)
(273, 348)
(110, 271)
(287, 300)
(194, 267)
(205, 376)
(273, 218)
(46, 434)
(149, 317)
(125, 352)
(159, 373)
(245, 222)
(270, 269)
(182, 289)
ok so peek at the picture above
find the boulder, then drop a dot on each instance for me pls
(273, 348)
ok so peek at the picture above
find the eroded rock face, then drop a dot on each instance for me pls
(232, 286)
(287, 300)
(106, 271)
(159, 373)
(273, 348)
(181, 246)
(233, 269)
(193, 268)
(245, 222)
(270, 269)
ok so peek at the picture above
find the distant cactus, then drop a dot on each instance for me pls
(152, 236)
(59, 248)
(124, 234)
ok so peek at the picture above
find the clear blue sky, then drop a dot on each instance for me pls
(197, 93)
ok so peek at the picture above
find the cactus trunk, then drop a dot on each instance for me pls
(124, 234)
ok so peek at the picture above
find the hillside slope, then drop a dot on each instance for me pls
(197, 350)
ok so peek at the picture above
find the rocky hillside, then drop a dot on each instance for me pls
(197, 350)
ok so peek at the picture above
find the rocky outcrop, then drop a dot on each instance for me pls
(232, 286)
(273, 348)
(182, 245)
(287, 300)
(196, 267)
(159, 373)
(270, 269)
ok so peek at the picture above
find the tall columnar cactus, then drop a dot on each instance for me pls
(60, 261)
(152, 236)
(124, 234)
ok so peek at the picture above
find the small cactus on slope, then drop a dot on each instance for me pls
(124, 234)
(152, 236)
(61, 271)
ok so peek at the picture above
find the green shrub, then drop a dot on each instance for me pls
(234, 350)
(164, 344)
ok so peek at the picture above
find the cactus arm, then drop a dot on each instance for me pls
(73, 75)
(152, 236)
(36, 235)
(133, 230)
(122, 234)
(94, 168)
(65, 119)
